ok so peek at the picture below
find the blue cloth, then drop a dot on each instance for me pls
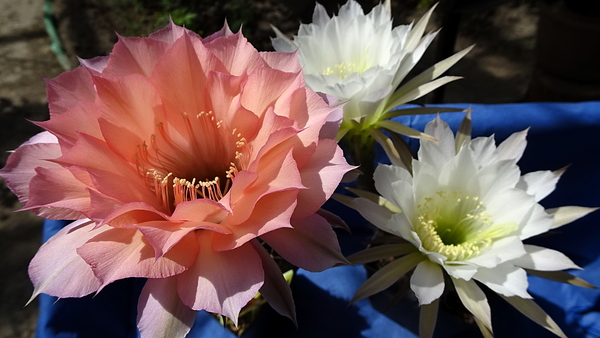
(560, 135)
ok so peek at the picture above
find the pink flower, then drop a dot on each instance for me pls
(174, 155)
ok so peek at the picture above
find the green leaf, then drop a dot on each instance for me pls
(428, 319)
(474, 300)
(485, 332)
(561, 276)
(464, 131)
(419, 91)
(377, 199)
(530, 309)
(387, 275)
(381, 252)
(431, 73)
(399, 128)
(387, 145)
(406, 153)
(568, 214)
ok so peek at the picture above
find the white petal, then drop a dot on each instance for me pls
(372, 212)
(568, 214)
(462, 271)
(496, 177)
(427, 282)
(513, 147)
(474, 300)
(426, 179)
(459, 171)
(505, 279)
(543, 259)
(502, 250)
(402, 196)
(484, 150)
(511, 205)
(539, 183)
(385, 175)
(437, 153)
(537, 223)
(320, 16)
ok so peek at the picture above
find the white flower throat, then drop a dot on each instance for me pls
(457, 225)
(359, 64)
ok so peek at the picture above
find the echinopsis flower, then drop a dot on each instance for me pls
(464, 211)
(175, 155)
(361, 60)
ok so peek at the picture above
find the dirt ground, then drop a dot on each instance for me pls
(496, 71)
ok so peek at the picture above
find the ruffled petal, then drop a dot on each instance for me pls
(160, 311)
(320, 176)
(121, 253)
(311, 244)
(427, 282)
(275, 289)
(505, 279)
(21, 164)
(543, 259)
(58, 270)
(221, 282)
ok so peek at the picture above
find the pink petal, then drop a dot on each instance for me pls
(134, 55)
(310, 125)
(68, 89)
(129, 110)
(63, 195)
(311, 245)
(170, 34)
(192, 215)
(225, 31)
(224, 95)
(276, 173)
(321, 176)
(270, 213)
(274, 134)
(81, 118)
(236, 53)
(275, 289)
(181, 88)
(58, 270)
(160, 311)
(287, 62)
(101, 206)
(96, 64)
(21, 164)
(121, 253)
(122, 182)
(334, 119)
(221, 282)
(265, 86)
(133, 213)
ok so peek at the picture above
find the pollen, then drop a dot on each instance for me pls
(455, 225)
(343, 69)
(196, 157)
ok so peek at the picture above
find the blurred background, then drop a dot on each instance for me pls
(526, 50)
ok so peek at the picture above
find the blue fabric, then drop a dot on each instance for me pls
(561, 134)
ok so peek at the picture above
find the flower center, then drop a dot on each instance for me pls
(343, 69)
(195, 157)
(457, 225)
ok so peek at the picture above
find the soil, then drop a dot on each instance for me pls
(496, 71)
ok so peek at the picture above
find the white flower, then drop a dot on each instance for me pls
(361, 60)
(465, 210)
(355, 57)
